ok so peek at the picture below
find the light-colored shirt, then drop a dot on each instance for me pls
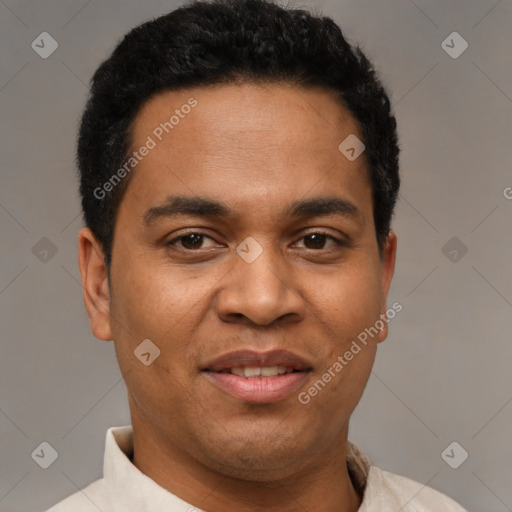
(124, 488)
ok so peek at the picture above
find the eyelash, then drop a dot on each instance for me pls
(337, 241)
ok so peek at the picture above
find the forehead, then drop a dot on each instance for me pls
(247, 142)
(246, 115)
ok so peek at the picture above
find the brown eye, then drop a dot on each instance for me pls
(192, 241)
(321, 241)
(315, 241)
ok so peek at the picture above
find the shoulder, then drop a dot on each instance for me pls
(388, 491)
(90, 499)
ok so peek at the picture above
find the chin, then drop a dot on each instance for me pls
(257, 468)
(263, 456)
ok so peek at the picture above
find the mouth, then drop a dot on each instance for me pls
(258, 377)
(257, 372)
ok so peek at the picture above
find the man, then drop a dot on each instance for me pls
(239, 171)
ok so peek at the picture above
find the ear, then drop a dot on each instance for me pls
(387, 270)
(95, 290)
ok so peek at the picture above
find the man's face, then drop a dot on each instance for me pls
(260, 152)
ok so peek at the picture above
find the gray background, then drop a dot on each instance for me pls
(443, 375)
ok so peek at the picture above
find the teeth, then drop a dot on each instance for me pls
(238, 371)
(256, 371)
(252, 371)
(270, 371)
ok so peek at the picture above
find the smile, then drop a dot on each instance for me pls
(258, 377)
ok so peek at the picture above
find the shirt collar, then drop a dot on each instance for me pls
(130, 489)
(127, 487)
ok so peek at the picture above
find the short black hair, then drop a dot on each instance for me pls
(223, 42)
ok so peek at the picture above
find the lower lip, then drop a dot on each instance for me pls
(258, 389)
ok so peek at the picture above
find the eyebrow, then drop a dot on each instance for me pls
(211, 208)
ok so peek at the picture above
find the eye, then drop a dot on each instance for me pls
(190, 241)
(195, 241)
(318, 241)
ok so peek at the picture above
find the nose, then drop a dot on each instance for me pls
(261, 292)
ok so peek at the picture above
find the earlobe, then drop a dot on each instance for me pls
(387, 271)
(95, 289)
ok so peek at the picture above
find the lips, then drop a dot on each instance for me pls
(258, 377)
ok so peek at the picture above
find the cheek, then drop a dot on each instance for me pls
(336, 389)
(166, 305)
(154, 300)
(348, 308)
(349, 302)
(347, 387)
(155, 303)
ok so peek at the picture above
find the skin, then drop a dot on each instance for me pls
(257, 148)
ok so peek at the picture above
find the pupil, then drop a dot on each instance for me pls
(193, 240)
(317, 241)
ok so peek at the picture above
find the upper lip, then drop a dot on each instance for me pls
(242, 358)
